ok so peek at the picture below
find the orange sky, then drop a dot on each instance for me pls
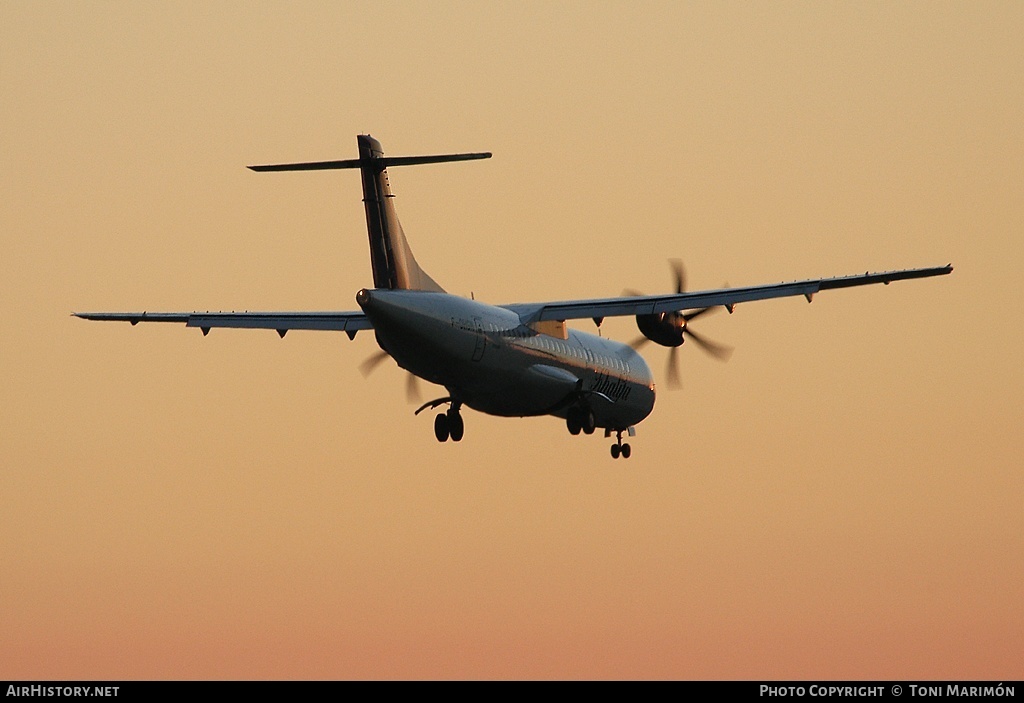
(843, 499)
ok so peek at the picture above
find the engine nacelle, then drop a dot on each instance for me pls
(665, 328)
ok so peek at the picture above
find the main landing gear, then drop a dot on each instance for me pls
(580, 420)
(449, 425)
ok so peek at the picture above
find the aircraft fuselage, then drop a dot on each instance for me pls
(491, 361)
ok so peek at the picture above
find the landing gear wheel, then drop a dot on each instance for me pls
(573, 421)
(456, 427)
(441, 429)
(587, 421)
(620, 449)
(580, 420)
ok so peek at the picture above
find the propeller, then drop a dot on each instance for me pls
(412, 388)
(372, 362)
(671, 329)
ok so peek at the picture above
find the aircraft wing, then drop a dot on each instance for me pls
(350, 322)
(599, 308)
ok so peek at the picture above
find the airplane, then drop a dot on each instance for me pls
(513, 360)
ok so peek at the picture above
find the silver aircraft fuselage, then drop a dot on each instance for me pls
(487, 358)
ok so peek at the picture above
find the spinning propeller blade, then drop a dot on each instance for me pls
(680, 322)
(412, 389)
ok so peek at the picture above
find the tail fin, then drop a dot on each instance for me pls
(394, 265)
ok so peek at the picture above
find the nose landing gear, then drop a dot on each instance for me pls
(620, 449)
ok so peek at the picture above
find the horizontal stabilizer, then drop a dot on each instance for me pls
(381, 162)
(439, 158)
(309, 166)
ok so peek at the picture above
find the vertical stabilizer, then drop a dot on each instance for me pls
(394, 265)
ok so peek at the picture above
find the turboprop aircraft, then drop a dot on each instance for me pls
(509, 360)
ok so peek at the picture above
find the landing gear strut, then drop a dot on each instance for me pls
(449, 425)
(620, 449)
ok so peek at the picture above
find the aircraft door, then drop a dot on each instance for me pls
(481, 339)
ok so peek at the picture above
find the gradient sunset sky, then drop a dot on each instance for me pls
(843, 499)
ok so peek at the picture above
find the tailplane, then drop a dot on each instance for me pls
(394, 265)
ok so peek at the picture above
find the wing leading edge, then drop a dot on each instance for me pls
(599, 308)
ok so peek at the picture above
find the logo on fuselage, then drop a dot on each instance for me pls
(612, 387)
